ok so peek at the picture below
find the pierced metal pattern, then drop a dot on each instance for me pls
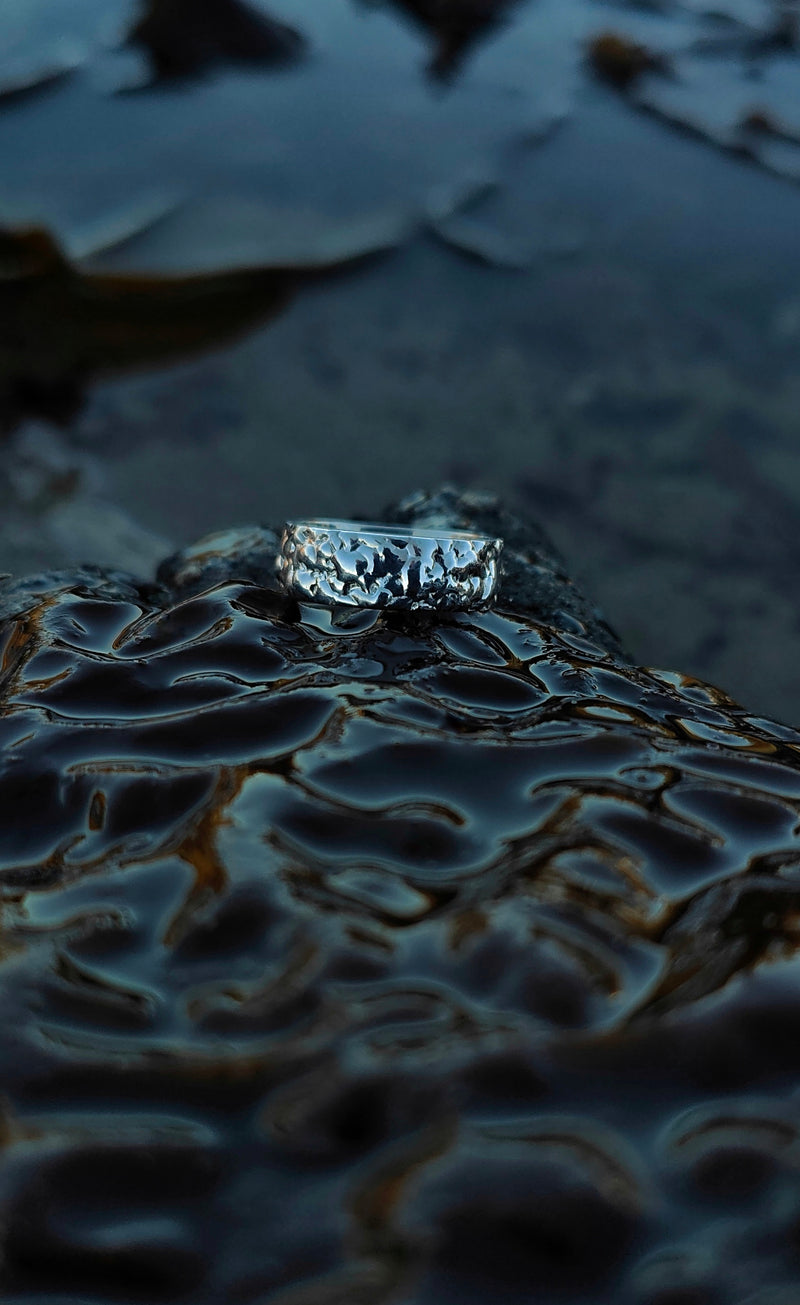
(362, 564)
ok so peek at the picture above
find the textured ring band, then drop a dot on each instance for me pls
(365, 564)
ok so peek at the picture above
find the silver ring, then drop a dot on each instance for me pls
(366, 564)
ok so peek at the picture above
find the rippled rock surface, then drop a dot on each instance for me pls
(362, 959)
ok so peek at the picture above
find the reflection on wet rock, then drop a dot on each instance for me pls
(357, 957)
(61, 327)
(455, 26)
(182, 37)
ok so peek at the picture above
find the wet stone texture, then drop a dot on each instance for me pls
(353, 958)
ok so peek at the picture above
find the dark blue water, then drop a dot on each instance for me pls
(609, 334)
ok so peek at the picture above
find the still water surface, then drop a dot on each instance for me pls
(588, 301)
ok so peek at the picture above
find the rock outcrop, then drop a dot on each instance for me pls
(357, 958)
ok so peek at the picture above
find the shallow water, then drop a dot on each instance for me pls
(605, 331)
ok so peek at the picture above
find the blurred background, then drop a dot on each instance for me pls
(301, 257)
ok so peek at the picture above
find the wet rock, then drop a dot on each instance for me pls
(736, 94)
(368, 957)
(17, 594)
(247, 553)
(726, 77)
(535, 580)
(620, 61)
(456, 26)
(506, 1210)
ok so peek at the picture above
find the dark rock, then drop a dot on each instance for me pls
(244, 553)
(620, 61)
(456, 26)
(18, 594)
(535, 581)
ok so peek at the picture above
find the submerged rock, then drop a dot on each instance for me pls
(733, 86)
(62, 326)
(620, 61)
(456, 26)
(352, 957)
